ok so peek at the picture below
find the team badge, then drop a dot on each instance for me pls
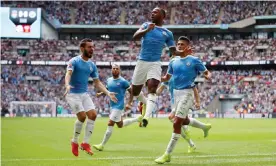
(164, 33)
(118, 84)
(91, 69)
(188, 63)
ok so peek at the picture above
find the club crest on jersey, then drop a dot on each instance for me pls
(118, 84)
(91, 69)
(188, 64)
(164, 33)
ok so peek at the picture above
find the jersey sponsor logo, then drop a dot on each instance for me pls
(188, 63)
(118, 84)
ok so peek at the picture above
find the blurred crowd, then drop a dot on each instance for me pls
(45, 83)
(207, 50)
(137, 12)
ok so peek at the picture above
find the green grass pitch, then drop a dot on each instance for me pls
(41, 142)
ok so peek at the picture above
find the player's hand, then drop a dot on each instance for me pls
(207, 76)
(197, 105)
(99, 94)
(163, 79)
(128, 106)
(67, 89)
(150, 27)
(188, 50)
(112, 96)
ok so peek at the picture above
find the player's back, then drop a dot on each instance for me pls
(153, 43)
(185, 70)
(81, 71)
(118, 86)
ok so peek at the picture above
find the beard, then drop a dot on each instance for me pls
(115, 75)
(86, 54)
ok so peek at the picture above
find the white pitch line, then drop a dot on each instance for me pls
(132, 157)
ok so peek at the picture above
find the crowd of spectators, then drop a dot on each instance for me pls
(137, 12)
(17, 86)
(207, 50)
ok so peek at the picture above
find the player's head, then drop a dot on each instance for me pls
(158, 15)
(116, 70)
(183, 42)
(87, 48)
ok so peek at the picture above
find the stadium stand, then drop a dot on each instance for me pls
(118, 12)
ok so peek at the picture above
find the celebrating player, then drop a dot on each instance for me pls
(76, 83)
(118, 85)
(183, 70)
(148, 68)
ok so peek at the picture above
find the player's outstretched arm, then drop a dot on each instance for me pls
(98, 84)
(67, 81)
(142, 31)
(160, 89)
(197, 98)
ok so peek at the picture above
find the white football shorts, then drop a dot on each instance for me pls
(115, 115)
(183, 102)
(80, 102)
(146, 70)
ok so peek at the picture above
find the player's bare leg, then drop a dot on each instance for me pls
(151, 100)
(91, 117)
(81, 116)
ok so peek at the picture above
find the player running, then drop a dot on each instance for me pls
(184, 42)
(148, 68)
(119, 86)
(183, 70)
(79, 69)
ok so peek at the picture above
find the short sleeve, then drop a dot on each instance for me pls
(199, 65)
(126, 84)
(170, 40)
(71, 65)
(94, 74)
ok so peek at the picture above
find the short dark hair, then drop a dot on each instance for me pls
(184, 38)
(83, 42)
(163, 12)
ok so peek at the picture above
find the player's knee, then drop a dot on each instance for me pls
(120, 124)
(92, 115)
(110, 123)
(81, 116)
(177, 125)
(152, 85)
(136, 92)
(186, 121)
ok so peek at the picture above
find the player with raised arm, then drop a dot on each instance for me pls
(183, 70)
(79, 69)
(119, 86)
(148, 68)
